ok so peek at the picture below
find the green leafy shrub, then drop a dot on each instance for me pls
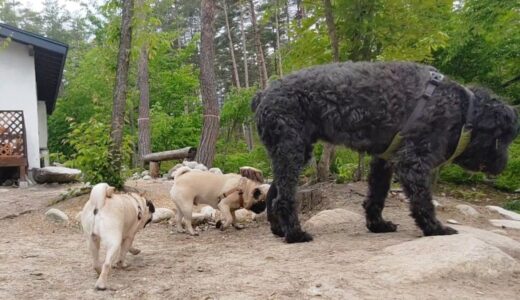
(91, 143)
(509, 180)
(513, 205)
(455, 174)
(174, 132)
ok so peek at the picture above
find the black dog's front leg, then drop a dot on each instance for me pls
(415, 174)
(378, 186)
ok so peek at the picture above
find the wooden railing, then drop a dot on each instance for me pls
(13, 141)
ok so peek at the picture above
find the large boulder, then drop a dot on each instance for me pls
(504, 243)
(511, 224)
(431, 258)
(467, 210)
(504, 212)
(56, 174)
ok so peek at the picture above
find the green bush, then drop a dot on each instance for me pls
(91, 143)
(513, 205)
(455, 174)
(509, 180)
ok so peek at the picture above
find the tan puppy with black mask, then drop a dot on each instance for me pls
(114, 220)
(227, 192)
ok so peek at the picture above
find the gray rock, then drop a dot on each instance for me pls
(56, 175)
(332, 217)
(216, 171)
(8, 182)
(502, 242)
(56, 215)
(200, 167)
(467, 210)
(190, 164)
(512, 224)
(504, 212)
(145, 173)
(162, 214)
(147, 177)
(430, 258)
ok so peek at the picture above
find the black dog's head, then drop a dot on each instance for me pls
(495, 127)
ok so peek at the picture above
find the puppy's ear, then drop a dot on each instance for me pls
(110, 191)
(150, 205)
(257, 193)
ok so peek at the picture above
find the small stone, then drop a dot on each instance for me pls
(436, 203)
(328, 218)
(467, 210)
(505, 223)
(190, 164)
(504, 212)
(56, 215)
(216, 171)
(145, 173)
(200, 269)
(451, 221)
(162, 214)
(402, 197)
(200, 167)
(147, 177)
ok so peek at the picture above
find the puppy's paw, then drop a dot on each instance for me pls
(298, 237)
(134, 251)
(381, 226)
(100, 286)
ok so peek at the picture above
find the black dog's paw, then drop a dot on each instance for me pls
(442, 230)
(298, 237)
(381, 227)
(276, 230)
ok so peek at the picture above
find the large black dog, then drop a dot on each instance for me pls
(364, 106)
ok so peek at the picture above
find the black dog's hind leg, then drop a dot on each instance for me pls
(378, 186)
(288, 160)
(414, 170)
(271, 215)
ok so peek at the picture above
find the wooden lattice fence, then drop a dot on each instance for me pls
(13, 142)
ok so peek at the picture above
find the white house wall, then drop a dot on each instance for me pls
(42, 124)
(18, 92)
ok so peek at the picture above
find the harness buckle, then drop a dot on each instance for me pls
(435, 80)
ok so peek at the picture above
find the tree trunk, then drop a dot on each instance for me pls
(260, 52)
(328, 149)
(246, 128)
(288, 22)
(211, 121)
(244, 48)
(120, 90)
(279, 54)
(143, 122)
(231, 48)
(332, 30)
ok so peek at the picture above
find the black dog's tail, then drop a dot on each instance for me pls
(256, 101)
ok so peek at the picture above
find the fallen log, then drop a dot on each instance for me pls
(188, 152)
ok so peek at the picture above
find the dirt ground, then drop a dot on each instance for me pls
(42, 260)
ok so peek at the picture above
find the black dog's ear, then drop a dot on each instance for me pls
(256, 193)
(150, 205)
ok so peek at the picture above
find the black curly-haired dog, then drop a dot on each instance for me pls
(363, 106)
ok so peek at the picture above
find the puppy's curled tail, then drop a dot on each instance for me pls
(98, 195)
(180, 171)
